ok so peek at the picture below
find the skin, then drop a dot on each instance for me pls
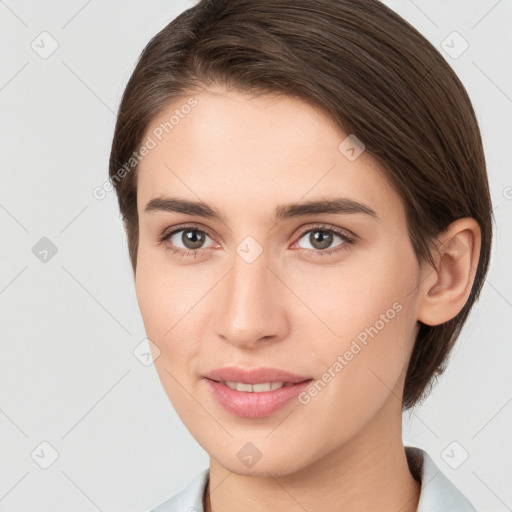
(288, 309)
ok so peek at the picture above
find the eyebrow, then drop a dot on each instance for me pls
(335, 205)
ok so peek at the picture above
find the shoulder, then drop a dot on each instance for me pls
(190, 498)
(438, 493)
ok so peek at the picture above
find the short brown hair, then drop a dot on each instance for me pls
(372, 72)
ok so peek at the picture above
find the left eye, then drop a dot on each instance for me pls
(321, 239)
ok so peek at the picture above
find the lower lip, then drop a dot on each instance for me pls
(254, 405)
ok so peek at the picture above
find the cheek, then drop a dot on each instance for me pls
(358, 371)
(164, 293)
(374, 320)
(362, 296)
(172, 300)
(165, 310)
(374, 331)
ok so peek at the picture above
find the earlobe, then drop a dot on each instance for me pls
(445, 290)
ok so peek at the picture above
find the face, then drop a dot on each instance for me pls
(327, 293)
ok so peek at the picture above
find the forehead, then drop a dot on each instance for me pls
(238, 151)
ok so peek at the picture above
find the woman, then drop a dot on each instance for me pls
(304, 191)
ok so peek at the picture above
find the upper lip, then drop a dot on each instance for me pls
(254, 375)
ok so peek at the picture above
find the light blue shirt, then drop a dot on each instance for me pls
(437, 494)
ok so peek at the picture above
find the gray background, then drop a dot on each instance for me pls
(69, 321)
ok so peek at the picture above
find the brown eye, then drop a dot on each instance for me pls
(321, 239)
(192, 238)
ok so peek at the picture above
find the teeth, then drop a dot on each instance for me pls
(254, 388)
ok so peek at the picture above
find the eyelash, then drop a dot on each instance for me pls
(348, 240)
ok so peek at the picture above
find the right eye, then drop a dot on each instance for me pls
(191, 238)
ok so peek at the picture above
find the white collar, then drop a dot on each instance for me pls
(438, 493)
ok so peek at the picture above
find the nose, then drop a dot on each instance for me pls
(252, 305)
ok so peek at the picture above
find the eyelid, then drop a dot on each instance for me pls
(345, 233)
(181, 227)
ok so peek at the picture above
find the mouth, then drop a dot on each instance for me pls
(262, 387)
(256, 400)
(253, 376)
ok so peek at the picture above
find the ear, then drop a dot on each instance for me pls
(445, 290)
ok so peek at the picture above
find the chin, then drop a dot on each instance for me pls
(266, 461)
